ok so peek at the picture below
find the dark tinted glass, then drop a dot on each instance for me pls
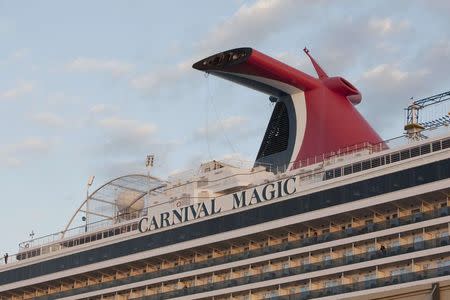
(358, 190)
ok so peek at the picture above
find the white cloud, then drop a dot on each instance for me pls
(102, 108)
(127, 127)
(437, 57)
(17, 55)
(253, 23)
(13, 155)
(20, 53)
(386, 71)
(237, 159)
(84, 64)
(220, 126)
(32, 145)
(154, 80)
(18, 91)
(13, 162)
(58, 98)
(192, 163)
(387, 25)
(389, 77)
(48, 119)
(296, 60)
(124, 144)
(127, 124)
(250, 25)
(386, 91)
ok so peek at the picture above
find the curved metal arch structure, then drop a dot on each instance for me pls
(120, 199)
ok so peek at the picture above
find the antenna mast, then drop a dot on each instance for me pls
(414, 126)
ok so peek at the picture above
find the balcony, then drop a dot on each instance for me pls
(341, 261)
(287, 246)
(365, 285)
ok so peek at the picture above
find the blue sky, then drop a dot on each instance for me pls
(92, 87)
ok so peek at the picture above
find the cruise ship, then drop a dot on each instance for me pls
(328, 210)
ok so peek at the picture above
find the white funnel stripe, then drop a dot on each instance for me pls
(299, 103)
(288, 89)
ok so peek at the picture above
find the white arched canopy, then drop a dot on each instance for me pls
(120, 199)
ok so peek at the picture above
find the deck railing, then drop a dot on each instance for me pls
(315, 177)
(289, 271)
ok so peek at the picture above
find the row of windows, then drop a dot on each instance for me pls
(299, 290)
(285, 270)
(368, 283)
(387, 159)
(359, 190)
(78, 241)
(444, 270)
(330, 174)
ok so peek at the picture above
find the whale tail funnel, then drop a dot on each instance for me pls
(312, 116)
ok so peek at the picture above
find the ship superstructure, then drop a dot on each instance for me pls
(327, 211)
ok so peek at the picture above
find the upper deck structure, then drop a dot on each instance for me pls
(327, 211)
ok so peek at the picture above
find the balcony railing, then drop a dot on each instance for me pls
(306, 268)
(283, 273)
(364, 285)
(54, 240)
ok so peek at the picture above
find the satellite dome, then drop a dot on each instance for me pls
(130, 200)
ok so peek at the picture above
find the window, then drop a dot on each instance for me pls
(337, 172)
(347, 170)
(395, 157)
(369, 276)
(331, 283)
(443, 234)
(418, 239)
(304, 261)
(356, 167)
(271, 294)
(402, 179)
(399, 271)
(376, 162)
(444, 262)
(436, 146)
(366, 165)
(371, 248)
(329, 174)
(415, 152)
(425, 149)
(404, 154)
(446, 144)
(395, 244)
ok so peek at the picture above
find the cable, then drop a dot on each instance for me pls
(207, 109)
(219, 119)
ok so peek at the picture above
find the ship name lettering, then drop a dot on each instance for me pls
(180, 215)
(268, 192)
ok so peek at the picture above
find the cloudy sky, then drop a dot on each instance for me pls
(90, 88)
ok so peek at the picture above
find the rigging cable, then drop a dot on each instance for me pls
(207, 109)
(219, 119)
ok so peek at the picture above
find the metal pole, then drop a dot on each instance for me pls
(89, 183)
(149, 164)
(86, 215)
